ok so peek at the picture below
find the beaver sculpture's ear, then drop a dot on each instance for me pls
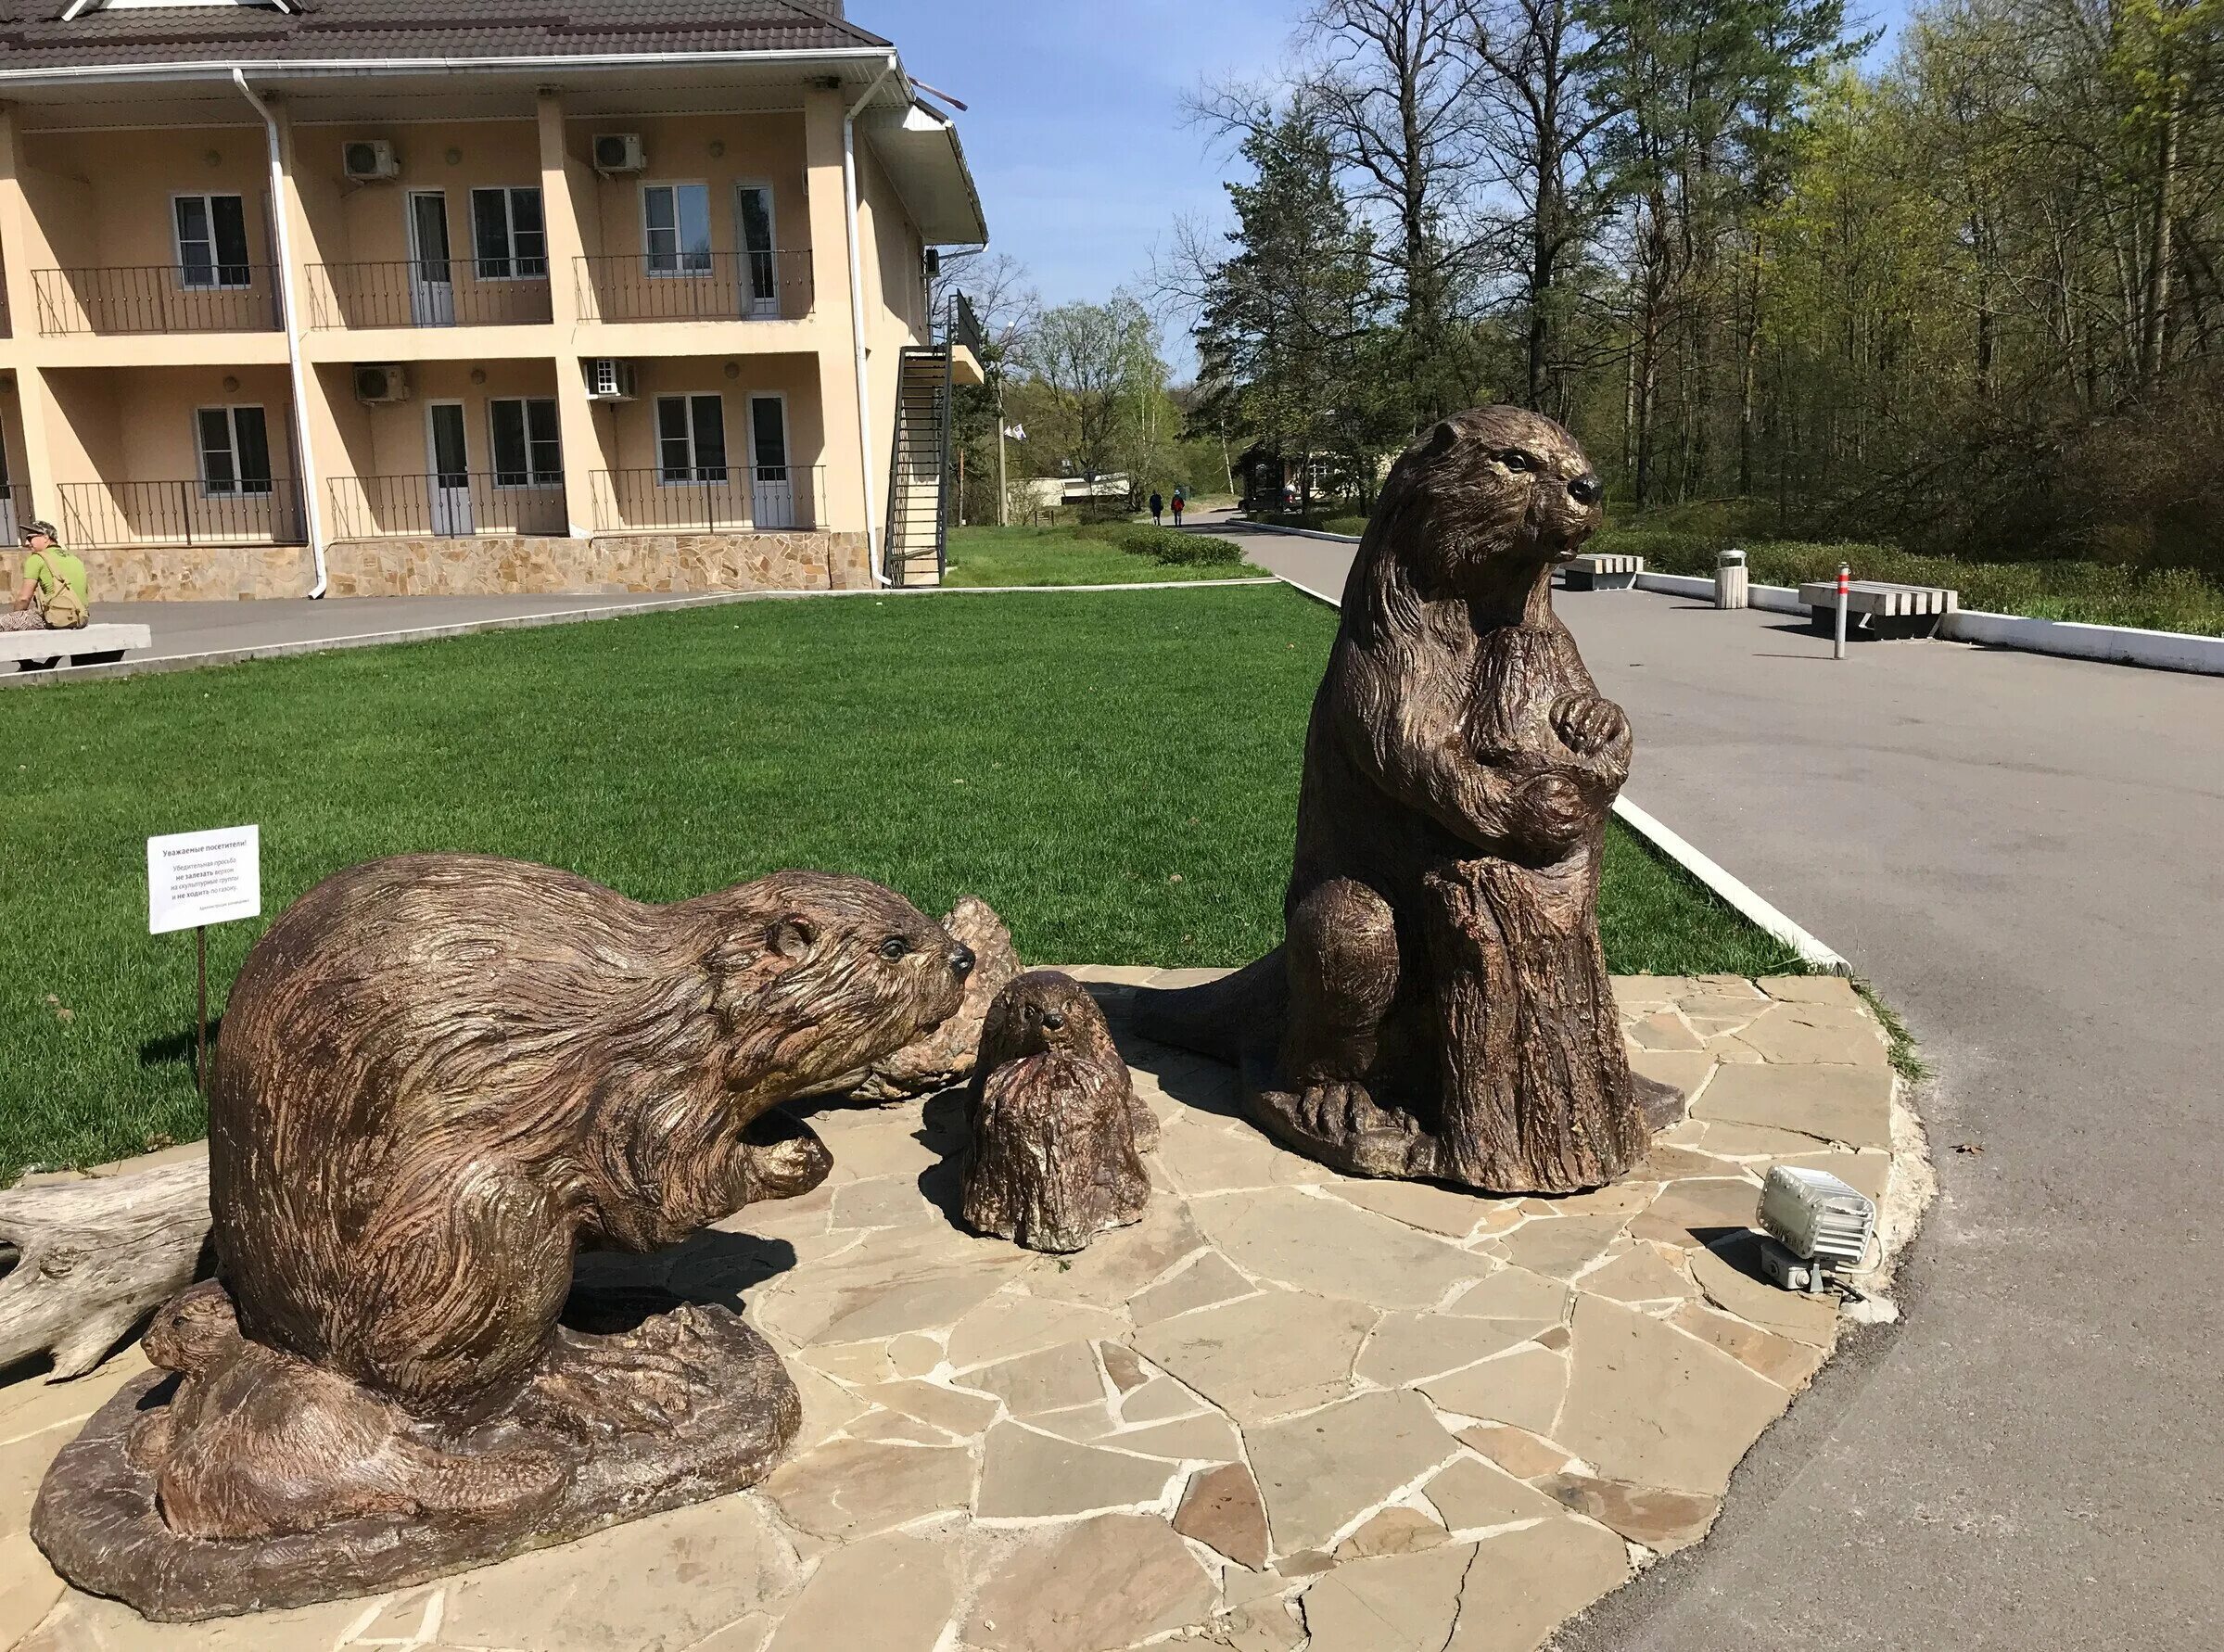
(793, 936)
(767, 952)
(1442, 440)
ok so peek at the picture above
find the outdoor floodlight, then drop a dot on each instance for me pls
(1815, 1224)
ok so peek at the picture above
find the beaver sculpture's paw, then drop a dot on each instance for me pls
(1339, 1123)
(1589, 724)
(644, 1380)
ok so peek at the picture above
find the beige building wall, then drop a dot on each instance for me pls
(113, 406)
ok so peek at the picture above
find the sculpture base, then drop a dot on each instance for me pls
(1342, 1128)
(98, 1522)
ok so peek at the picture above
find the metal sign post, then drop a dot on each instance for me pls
(195, 879)
(1837, 648)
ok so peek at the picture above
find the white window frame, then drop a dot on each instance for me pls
(535, 479)
(238, 489)
(695, 465)
(510, 256)
(680, 271)
(207, 198)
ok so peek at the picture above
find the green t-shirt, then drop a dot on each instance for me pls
(57, 561)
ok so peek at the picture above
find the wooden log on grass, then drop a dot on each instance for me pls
(93, 1258)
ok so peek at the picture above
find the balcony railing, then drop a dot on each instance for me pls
(159, 299)
(447, 505)
(696, 286)
(729, 499)
(423, 293)
(249, 512)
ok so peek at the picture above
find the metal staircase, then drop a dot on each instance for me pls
(917, 547)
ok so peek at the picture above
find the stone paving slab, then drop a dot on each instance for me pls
(1286, 1409)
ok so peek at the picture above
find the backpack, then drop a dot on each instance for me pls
(62, 608)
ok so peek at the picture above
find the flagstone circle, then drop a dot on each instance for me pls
(1287, 1403)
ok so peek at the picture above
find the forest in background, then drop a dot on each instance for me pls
(1965, 301)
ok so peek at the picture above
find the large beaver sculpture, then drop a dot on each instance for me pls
(1439, 1006)
(439, 1077)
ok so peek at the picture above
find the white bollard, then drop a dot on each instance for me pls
(1730, 579)
(1837, 649)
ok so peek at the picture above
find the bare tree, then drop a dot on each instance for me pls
(1541, 135)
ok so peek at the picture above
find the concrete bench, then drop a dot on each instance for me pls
(1599, 571)
(1878, 609)
(88, 646)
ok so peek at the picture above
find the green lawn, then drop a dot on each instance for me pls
(1061, 556)
(1115, 773)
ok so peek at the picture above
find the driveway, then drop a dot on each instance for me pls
(2023, 855)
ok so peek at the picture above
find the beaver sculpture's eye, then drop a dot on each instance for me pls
(1030, 1013)
(894, 948)
(1516, 460)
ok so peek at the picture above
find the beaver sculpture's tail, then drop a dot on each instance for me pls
(1221, 1019)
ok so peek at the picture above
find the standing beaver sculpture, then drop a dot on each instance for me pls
(440, 1076)
(1439, 1008)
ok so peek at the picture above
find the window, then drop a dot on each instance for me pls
(691, 438)
(507, 236)
(213, 240)
(675, 228)
(527, 452)
(235, 451)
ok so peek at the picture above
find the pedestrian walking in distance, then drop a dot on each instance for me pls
(1178, 503)
(1157, 504)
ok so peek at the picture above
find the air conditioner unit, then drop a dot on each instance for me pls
(609, 379)
(369, 160)
(386, 382)
(619, 152)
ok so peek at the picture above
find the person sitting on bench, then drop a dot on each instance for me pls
(52, 597)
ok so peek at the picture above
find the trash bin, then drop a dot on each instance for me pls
(1730, 579)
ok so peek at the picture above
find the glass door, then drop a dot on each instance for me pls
(760, 270)
(772, 487)
(451, 478)
(432, 283)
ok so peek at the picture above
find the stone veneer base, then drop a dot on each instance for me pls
(485, 566)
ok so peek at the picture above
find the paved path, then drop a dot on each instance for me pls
(2022, 854)
(182, 629)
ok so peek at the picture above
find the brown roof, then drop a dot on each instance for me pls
(33, 34)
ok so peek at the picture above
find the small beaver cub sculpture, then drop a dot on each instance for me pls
(440, 1076)
(1056, 1124)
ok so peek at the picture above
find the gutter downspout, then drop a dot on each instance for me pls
(304, 466)
(874, 549)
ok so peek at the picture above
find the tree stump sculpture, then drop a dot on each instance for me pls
(1055, 1126)
(1439, 1007)
(440, 1076)
(92, 1258)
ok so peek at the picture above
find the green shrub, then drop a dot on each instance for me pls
(1165, 545)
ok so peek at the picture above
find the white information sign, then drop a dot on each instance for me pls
(203, 877)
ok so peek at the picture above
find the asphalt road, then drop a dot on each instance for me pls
(2026, 856)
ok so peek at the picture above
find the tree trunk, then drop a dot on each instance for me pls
(94, 1257)
(1536, 1085)
(2155, 333)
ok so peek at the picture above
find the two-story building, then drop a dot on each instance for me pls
(397, 297)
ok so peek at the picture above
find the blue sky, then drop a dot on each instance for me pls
(1075, 128)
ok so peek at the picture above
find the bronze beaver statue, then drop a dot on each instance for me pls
(439, 1077)
(1439, 1006)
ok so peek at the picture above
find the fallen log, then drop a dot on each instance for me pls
(92, 1258)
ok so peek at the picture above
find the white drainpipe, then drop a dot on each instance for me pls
(312, 507)
(874, 547)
